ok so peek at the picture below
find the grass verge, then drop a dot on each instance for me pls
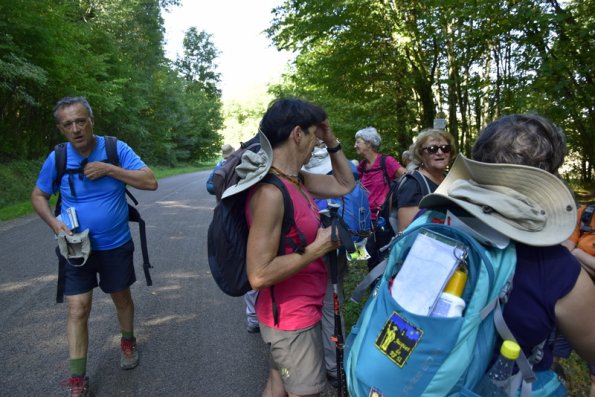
(18, 179)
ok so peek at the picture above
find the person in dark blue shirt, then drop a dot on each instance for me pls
(226, 151)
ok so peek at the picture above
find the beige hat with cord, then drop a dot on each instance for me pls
(75, 248)
(227, 150)
(253, 167)
(320, 162)
(526, 204)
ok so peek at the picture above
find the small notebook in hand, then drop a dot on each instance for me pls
(430, 263)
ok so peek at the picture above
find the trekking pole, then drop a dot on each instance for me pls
(338, 337)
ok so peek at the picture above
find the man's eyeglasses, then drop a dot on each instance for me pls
(433, 149)
(78, 122)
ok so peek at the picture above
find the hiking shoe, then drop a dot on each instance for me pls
(129, 356)
(78, 385)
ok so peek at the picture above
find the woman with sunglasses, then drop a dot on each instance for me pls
(433, 151)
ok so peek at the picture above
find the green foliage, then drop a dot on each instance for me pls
(396, 65)
(18, 179)
(51, 49)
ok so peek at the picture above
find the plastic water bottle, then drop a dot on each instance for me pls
(497, 381)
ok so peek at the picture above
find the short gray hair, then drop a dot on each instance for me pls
(370, 135)
(69, 101)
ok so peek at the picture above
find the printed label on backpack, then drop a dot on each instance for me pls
(398, 339)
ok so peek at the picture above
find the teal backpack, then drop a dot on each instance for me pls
(437, 356)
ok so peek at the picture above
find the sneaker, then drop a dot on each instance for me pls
(253, 328)
(78, 385)
(129, 356)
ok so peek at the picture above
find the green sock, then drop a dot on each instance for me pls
(78, 366)
(128, 334)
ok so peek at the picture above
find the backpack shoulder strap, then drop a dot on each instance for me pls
(111, 150)
(384, 170)
(60, 160)
(422, 181)
(288, 219)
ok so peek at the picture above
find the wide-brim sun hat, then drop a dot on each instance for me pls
(526, 204)
(253, 167)
(320, 162)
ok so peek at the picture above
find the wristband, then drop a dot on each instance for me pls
(334, 149)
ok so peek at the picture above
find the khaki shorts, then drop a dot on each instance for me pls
(299, 358)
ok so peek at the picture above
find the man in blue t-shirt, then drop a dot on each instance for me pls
(97, 194)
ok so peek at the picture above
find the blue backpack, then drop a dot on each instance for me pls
(354, 209)
(436, 356)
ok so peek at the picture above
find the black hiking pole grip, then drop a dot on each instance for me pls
(338, 337)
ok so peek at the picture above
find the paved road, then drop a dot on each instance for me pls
(191, 336)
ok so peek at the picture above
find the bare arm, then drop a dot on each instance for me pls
(143, 179)
(586, 260)
(263, 265)
(41, 204)
(342, 181)
(406, 215)
(576, 318)
(400, 172)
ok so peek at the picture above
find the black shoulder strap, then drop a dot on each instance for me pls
(60, 153)
(384, 170)
(111, 150)
(60, 160)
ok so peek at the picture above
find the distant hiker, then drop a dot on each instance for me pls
(226, 151)
(292, 281)
(97, 194)
(376, 171)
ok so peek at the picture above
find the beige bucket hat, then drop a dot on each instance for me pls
(75, 248)
(253, 167)
(524, 203)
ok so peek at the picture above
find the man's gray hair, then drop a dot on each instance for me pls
(370, 135)
(69, 101)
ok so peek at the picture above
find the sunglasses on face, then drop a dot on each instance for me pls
(433, 149)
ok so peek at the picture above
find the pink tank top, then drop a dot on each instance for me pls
(300, 297)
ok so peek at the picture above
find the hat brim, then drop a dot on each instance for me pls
(545, 189)
(320, 163)
(264, 158)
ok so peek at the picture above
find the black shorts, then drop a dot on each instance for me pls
(114, 267)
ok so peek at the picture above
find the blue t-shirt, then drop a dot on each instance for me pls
(543, 275)
(101, 204)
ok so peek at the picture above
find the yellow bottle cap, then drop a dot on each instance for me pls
(456, 284)
(510, 349)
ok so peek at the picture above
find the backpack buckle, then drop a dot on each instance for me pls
(505, 293)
